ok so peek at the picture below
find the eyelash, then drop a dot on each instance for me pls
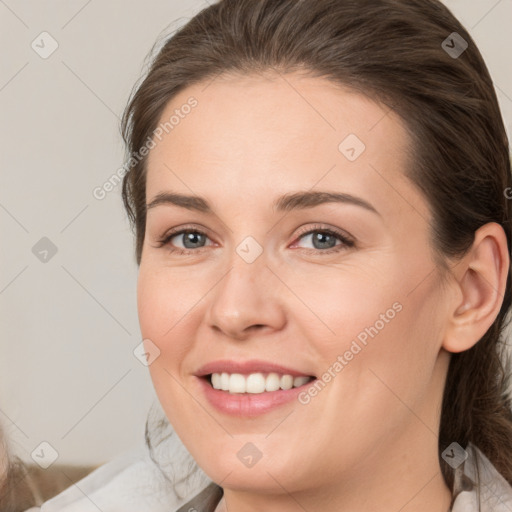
(346, 241)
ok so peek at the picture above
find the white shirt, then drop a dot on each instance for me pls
(134, 483)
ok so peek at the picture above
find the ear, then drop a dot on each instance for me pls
(480, 280)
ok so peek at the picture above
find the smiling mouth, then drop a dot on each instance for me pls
(255, 383)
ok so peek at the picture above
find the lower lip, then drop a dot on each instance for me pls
(249, 404)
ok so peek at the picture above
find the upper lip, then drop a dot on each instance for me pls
(247, 367)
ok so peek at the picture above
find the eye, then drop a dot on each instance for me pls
(190, 238)
(324, 240)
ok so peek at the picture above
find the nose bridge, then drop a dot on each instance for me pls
(244, 297)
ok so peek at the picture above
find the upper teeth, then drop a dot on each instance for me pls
(255, 382)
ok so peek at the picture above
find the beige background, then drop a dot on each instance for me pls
(69, 326)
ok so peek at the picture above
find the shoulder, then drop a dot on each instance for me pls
(132, 482)
(490, 492)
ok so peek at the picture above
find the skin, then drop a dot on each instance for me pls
(368, 440)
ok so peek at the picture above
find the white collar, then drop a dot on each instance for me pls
(495, 492)
(132, 482)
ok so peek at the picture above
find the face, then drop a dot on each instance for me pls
(306, 262)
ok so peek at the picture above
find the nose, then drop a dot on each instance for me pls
(247, 300)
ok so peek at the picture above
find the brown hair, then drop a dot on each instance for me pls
(16, 494)
(392, 51)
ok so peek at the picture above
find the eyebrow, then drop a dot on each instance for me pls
(285, 203)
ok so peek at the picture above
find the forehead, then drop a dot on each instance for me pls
(275, 132)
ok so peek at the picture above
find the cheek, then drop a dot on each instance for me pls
(394, 369)
(170, 310)
(351, 293)
(160, 308)
(166, 301)
(380, 333)
(335, 305)
(159, 311)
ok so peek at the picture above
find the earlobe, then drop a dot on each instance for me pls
(481, 278)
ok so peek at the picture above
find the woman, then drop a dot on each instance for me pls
(319, 196)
